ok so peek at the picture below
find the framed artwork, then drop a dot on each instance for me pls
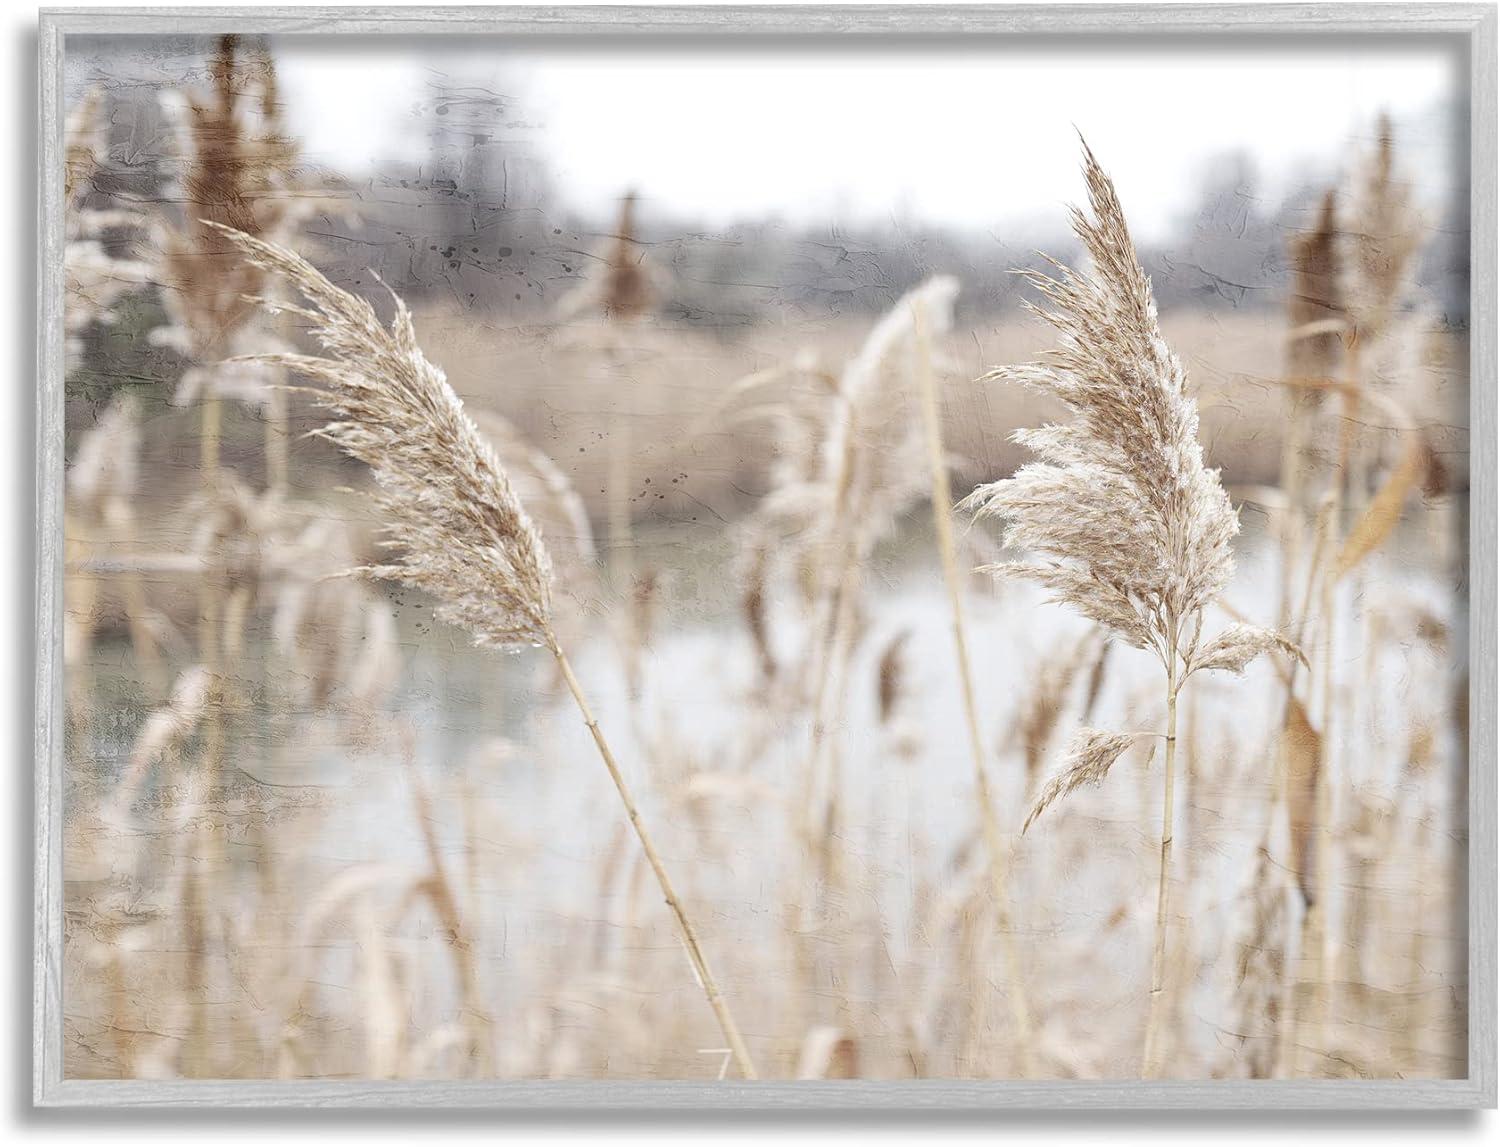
(866, 557)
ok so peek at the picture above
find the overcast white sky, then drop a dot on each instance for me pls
(969, 136)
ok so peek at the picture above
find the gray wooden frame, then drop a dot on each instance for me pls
(1473, 24)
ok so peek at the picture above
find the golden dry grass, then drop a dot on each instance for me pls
(312, 834)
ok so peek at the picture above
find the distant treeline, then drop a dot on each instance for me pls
(477, 219)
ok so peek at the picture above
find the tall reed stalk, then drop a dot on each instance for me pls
(238, 166)
(659, 870)
(942, 519)
(871, 468)
(1316, 326)
(1373, 263)
(448, 504)
(1317, 926)
(1164, 871)
(1137, 530)
(1316, 339)
(621, 294)
(211, 590)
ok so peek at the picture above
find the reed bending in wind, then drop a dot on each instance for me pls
(447, 503)
(1127, 524)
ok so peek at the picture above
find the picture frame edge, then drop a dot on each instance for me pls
(47, 697)
(1484, 126)
(1477, 22)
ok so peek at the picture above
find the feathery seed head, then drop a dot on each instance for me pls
(1383, 236)
(447, 503)
(1316, 298)
(628, 290)
(1237, 646)
(1091, 756)
(236, 168)
(874, 458)
(852, 461)
(1136, 528)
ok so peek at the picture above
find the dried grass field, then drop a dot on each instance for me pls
(458, 694)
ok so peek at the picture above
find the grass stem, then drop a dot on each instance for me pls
(942, 501)
(689, 933)
(1149, 1061)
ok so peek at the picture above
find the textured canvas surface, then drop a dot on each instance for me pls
(729, 346)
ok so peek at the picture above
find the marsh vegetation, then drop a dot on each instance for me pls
(595, 693)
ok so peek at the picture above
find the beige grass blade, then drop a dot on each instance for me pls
(1302, 750)
(1382, 515)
